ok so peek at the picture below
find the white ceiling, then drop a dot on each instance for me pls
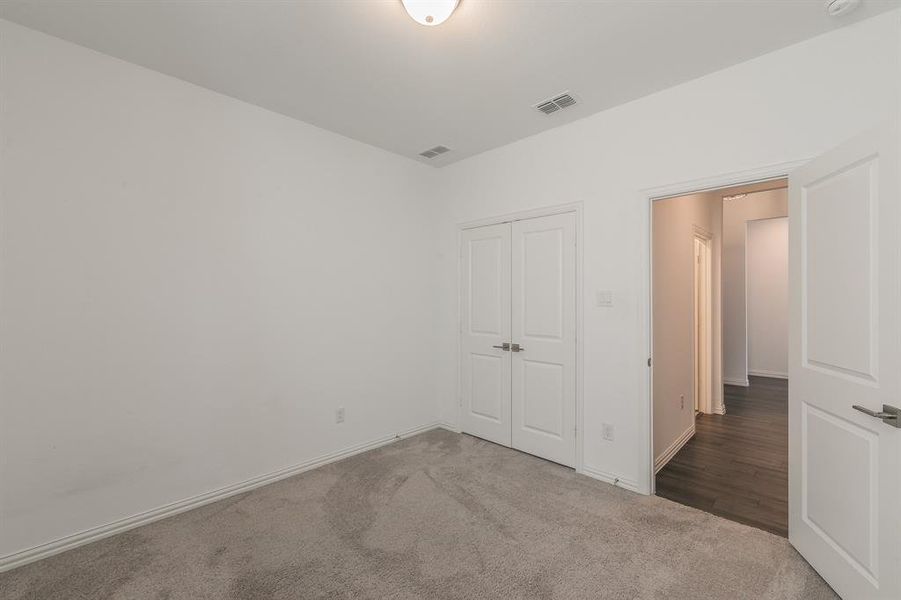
(364, 69)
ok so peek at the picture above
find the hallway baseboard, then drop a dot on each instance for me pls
(674, 448)
(773, 374)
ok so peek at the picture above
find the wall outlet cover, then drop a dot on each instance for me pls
(607, 431)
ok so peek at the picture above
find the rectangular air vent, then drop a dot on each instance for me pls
(558, 102)
(548, 107)
(433, 152)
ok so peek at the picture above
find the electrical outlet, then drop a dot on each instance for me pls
(339, 415)
(607, 431)
(682, 401)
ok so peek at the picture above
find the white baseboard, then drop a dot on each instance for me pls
(610, 478)
(17, 559)
(670, 452)
(719, 410)
(623, 482)
(773, 374)
(741, 382)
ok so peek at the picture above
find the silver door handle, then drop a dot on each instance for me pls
(505, 347)
(889, 414)
(516, 348)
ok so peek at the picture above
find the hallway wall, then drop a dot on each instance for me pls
(675, 220)
(736, 214)
(767, 283)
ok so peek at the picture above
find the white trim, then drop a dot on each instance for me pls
(573, 207)
(521, 215)
(719, 410)
(69, 542)
(647, 197)
(773, 374)
(674, 448)
(705, 345)
(628, 484)
(739, 382)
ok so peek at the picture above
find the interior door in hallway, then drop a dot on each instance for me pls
(844, 350)
(485, 329)
(544, 328)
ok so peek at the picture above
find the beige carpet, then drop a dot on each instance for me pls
(439, 515)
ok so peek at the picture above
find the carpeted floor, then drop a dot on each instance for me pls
(439, 515)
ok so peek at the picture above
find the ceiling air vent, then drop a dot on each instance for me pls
(548, 107)
(433, 152)
(556, 103)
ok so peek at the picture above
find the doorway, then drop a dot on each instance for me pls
(720, 264)
(844, 329)
(518, 334)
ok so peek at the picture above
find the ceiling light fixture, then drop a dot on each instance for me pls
(430, 12)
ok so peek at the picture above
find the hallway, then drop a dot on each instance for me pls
(736, 465)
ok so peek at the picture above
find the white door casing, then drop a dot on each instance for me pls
(703, 325)
(544, 325)
(485, 324)
(844, 338)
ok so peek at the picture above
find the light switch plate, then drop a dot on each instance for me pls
(603, 298)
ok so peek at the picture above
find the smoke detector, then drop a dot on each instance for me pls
(433, 152)
(558, 102)
(837, 8)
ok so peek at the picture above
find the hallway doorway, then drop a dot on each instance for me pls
(720, 346)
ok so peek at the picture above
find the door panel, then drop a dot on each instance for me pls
(845, 299)
(543, 316)
(543, 402)
(485, 312)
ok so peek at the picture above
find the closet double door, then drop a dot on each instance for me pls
(518, 343)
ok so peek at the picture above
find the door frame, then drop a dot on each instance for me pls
(703, 399)
(576, 208)
(647, 197)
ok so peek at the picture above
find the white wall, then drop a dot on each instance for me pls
(190, 287)
(768, 297)
(675, 220)
(737, 212)
(785, 106)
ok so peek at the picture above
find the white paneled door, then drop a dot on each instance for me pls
(845, 333)
(544, 326)
(518, 342)
(485, 363)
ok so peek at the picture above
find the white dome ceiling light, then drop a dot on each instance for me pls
(430, 12)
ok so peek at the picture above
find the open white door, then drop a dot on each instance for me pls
(544, 328)
(845, 332)
(485, 323)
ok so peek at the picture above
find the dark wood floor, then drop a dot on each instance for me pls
(736, 465)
